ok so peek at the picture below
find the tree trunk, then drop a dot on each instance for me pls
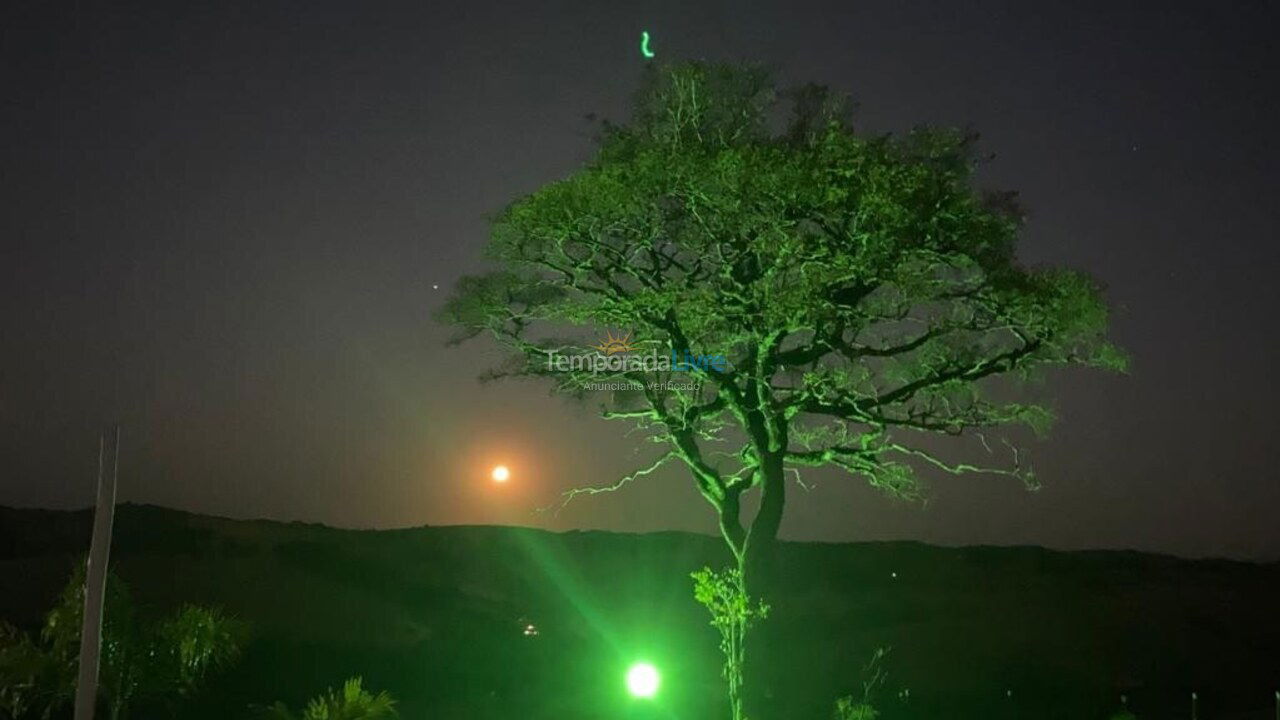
(757, 565)
(731, 527)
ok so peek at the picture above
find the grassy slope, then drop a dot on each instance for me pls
(435, 616)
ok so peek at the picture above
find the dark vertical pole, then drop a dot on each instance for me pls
(96, 577)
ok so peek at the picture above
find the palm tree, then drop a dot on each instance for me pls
(153, 661)
(29, 679)
(353, 702)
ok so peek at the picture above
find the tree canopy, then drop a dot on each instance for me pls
(852, 291)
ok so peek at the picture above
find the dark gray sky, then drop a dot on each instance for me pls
(221, 227)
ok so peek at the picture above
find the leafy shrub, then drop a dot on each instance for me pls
(861, 708)
(733, 612)
(849, 709)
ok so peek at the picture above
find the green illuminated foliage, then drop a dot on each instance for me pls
(863, 288)
(352, 702)
(192, 642)
(733, 612)
(861, 707)
(849, 709)
(29, 679)
(141, 661)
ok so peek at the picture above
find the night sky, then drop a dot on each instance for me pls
(222, 227)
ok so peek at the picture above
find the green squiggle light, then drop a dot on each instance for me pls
(644, 44)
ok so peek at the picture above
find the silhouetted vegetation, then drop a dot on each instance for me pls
(436, 617)
(352, 702)
(862, 706)
(153, 663)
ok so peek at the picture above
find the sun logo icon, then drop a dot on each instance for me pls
(613, 345)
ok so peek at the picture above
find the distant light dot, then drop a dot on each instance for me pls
(643, 680)
(501, 474)
(435, 286)
(893, 574)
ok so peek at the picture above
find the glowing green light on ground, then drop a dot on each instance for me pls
(644, 44)
(643, 680)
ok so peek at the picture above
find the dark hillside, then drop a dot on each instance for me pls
(437, 616)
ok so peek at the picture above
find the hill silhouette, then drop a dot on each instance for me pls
(438, 616)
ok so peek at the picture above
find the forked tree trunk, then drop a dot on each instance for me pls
(756, 564)
(762, 539)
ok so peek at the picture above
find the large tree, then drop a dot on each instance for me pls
(843, 295)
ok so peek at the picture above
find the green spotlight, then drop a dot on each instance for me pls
(643, 680)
